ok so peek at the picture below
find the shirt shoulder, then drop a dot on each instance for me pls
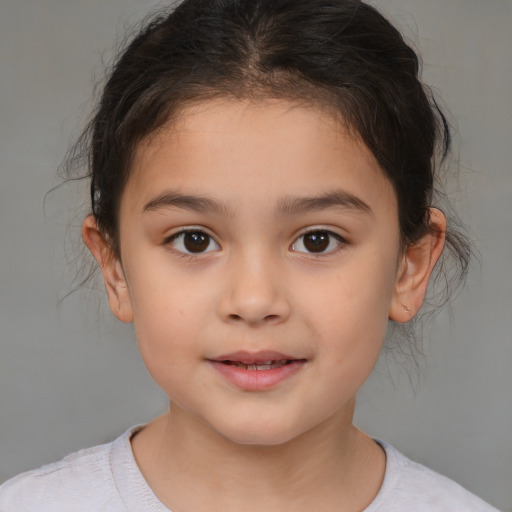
(80, 482)
(411, 486)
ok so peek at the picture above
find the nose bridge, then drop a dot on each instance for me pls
(255, 291)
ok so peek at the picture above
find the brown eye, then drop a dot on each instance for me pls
(193, 242)
(317, 242)
(196, 242)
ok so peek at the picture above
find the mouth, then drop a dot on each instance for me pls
(257, 371)
(265, 365)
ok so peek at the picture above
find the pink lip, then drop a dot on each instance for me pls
(256, 380)
(259, 357)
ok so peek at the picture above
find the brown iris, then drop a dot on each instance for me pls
(316, 241)
(196, 241)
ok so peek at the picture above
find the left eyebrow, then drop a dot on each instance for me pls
(188, 202)
(336, 199)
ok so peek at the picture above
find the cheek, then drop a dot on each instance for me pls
(350, 316)
(167, 340)
(358, 297)
(169, 320)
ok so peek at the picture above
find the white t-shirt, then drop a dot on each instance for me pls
(106, 479)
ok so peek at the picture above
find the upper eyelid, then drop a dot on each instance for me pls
(340, 240)
(190, 229)
(314, 229)
(342, 243)
(168, 242)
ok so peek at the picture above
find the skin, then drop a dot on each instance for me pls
(257, 287)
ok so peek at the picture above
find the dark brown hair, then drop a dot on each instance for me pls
(340, 54)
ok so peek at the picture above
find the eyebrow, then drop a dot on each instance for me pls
(336, 199)
(187, 202)
(286, 206)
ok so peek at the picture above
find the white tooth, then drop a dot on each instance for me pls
(267, 365)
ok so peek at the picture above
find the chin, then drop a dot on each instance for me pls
(259, 434)
(260, 439)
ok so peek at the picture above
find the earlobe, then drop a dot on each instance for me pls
(111, 268)
(415, 269)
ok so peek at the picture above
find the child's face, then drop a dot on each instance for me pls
(246, 283)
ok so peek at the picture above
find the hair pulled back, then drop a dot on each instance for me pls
(339, 54)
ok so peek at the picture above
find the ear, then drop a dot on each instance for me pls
(111, 268)
(415, 268)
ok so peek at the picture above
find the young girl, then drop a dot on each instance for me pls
(262, 176)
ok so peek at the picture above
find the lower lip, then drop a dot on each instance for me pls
(257, 380)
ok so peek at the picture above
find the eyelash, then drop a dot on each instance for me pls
(181, 234)
(330, 235)
(322, 234)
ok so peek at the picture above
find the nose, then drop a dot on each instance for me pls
(254, 292)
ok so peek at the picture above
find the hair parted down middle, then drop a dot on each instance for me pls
(340, 55)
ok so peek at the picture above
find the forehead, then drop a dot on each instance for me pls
(237, 149)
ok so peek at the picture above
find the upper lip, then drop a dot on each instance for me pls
(259, 357)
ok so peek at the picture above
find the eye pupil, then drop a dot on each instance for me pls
(317, 241)
(196, 241)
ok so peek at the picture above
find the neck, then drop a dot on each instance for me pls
(333, 465)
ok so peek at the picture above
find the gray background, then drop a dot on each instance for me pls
(70, 375)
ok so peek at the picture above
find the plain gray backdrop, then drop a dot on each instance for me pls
(70, 375)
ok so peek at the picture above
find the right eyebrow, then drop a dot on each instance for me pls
(336, 199)
(195, 203)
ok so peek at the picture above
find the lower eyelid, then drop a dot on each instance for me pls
(341, 241)
(170, 239)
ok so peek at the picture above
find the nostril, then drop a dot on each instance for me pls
(269, 318)
(254, 306)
